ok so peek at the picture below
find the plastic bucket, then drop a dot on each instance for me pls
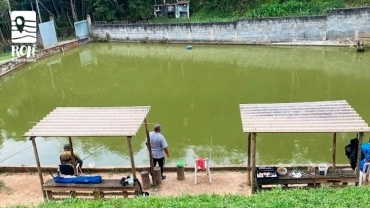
(91, 165)
(180, 164)
(323, 168)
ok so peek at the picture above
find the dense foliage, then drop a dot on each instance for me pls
(295, 8)
(311, 198)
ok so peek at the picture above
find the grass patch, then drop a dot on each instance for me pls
(324, 197)
(5, 56)
(8, 173)
(117, 170)
(64, 38)
(2, 185)
(4, 188)
(8, 55)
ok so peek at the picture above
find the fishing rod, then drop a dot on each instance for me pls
(38, 122)
(19, 152)
(210, 152)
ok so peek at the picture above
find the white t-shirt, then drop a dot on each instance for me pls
(158, 143)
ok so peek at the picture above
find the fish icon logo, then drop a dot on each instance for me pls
(23, 26)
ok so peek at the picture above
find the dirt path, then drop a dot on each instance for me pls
(24, 188)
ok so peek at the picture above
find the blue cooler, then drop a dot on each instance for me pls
(79, 179)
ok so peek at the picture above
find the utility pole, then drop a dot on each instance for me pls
(32, 5)
(10, 10)
(38, 10)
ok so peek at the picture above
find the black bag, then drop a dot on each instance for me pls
(124, 182)
(351, 151)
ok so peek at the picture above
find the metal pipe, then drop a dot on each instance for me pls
(38, 10)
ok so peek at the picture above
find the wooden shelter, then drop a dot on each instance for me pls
(300, 117)
(90, 122)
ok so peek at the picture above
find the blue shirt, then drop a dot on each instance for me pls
(158, 143)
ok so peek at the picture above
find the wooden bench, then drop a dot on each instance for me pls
(108, 188)
(333, 179)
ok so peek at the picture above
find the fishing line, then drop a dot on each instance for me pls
(88, 156)
(93, 153)
(210, 152)
(19, 152)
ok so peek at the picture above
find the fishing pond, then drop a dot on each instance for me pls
(194, 94)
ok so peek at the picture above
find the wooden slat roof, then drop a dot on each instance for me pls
(91, 121)
(323, 116)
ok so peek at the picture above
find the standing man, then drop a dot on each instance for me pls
(159, 147)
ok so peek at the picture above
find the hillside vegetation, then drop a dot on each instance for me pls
(66, 12)
(356, 197)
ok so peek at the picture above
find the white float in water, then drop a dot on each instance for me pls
(91, 165)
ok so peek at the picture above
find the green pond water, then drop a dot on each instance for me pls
(194, 94)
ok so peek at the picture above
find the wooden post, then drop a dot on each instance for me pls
(38, 166)
(73, 194)
(253, 159)
(334, 149)
(49, 195)
(131, 157)
(157, 176)
(180, 173)
(145, 179)
(249, 160)
(149, 149)
(72, 155)
(359, 151)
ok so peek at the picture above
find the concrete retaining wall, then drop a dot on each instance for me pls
(11, 65)
(342, 25)
(120, 169)
(348, 23)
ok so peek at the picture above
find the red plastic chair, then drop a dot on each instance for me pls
(202, 164)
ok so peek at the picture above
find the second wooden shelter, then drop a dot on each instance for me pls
(300, 117)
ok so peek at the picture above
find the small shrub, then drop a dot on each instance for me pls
(4, 188)
(102, 40)
(2, 185)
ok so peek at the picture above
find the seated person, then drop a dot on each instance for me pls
(66, 157)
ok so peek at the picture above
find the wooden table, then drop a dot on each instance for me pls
(333, 178)
(106, 189)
